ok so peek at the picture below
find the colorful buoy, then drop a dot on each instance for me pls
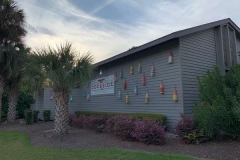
(119, 95)
(153, 71)
(143, 79)
(88, 97)
(147, 98)
(161, 88)
(51, 96)
(140, 67)
(170, 58)
(136, 89)
(125, 84)
(175, 95)
(127, 99)
(131, 69)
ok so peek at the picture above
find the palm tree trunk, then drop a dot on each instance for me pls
(2, 84)
(12, 103)
(61, 112)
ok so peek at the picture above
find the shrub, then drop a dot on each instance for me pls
(188, 131)
(219, 110)
(24, 102)
(149, 132)
(123, 127)
(96, 123)
(156, 117)
(46, 115)
(35, 116)
(29, 117)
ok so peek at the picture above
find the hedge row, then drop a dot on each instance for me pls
(124, 126)
(155, 117)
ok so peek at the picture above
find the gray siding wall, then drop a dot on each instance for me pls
(48, 103)
(168, 73)
(238, 48)
(198, 54)
(39, 103)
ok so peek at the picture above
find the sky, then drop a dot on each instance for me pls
(109, 27)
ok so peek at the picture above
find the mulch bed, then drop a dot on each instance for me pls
(41, 134)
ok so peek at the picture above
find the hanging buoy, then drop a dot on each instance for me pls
(84, 93)
(136, 89)
(153, 71)
(51, 96)
(140, 67)
(71, 98)
(175, 95)
(119, 95)
(147, 98)
(88, 97)
(125, 84)
(161, 88)
(115, 77)
(143, 79)
(121, 74)
(127, 99)
(170, 58)
(131, 69)
(100, 72)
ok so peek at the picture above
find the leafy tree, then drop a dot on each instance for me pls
(63, 69)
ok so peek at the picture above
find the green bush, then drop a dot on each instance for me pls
(35, 116)
(219, 110)
(29, 117)
(157, 117)
(46, 115)
(24, 102)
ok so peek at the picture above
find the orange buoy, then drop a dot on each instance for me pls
(161, 88)
(125, 84)
(143, 79)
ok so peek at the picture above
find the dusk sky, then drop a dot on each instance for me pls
(109, 27)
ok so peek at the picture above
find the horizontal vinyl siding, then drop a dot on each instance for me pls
(39, 103)
(168, 73)
(198, 54)
(238, 48)
(48, 103)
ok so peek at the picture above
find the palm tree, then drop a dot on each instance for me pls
(12, 22)
(15, 79)
(63, 69)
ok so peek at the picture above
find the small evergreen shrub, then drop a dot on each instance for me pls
(123, 127)
(149, 132)
(35, 116)
(189, 132)
(46, 115)
(29, 117)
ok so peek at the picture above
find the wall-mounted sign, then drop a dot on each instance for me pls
(104, 85)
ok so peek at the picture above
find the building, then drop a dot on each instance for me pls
(194, 51)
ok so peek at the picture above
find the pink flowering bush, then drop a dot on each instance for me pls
(149, 132)
(123, 127)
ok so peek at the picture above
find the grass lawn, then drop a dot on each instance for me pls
(16, 146)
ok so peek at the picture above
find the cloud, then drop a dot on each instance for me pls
(61, 21)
